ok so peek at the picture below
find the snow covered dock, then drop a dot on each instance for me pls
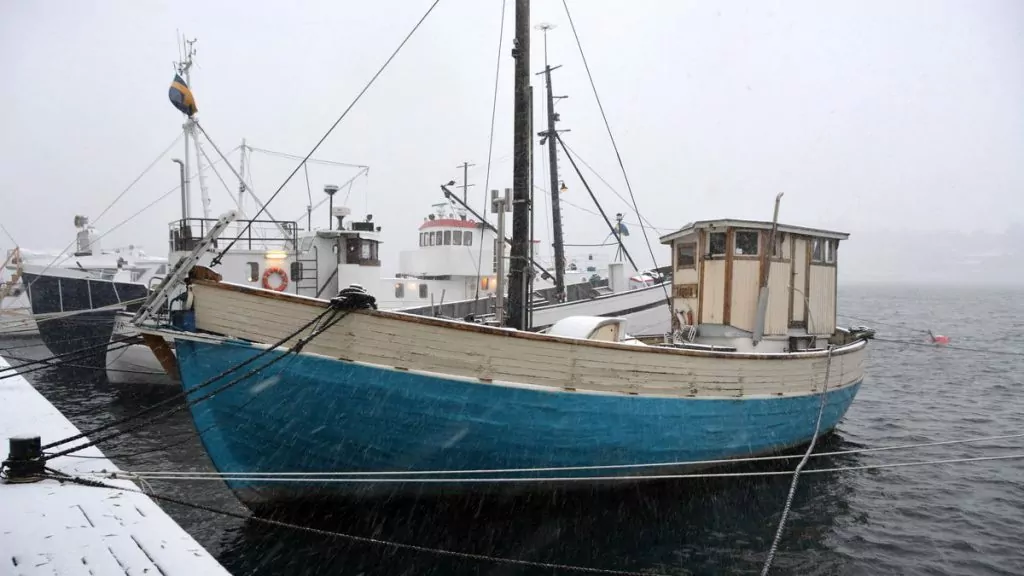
(51, 528)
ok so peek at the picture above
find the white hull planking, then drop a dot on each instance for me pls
(505, 356)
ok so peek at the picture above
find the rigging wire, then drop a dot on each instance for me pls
(217, 259)
(73, 353)
(754, 459)
(217, 174)
(593, 213)
(618, 156)
(800, 466)
(295, 349)
(111, 205)
(949, 347)
(614, 231)
(69, 357)
(309, 160)
(565, 479)
(183, 394)
(889, 324)
(490, 154)
(609, 186)
(140, 211)
(67, 364)
(61, 477)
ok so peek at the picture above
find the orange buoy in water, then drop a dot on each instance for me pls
(938, 339)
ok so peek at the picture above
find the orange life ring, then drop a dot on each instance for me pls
(272, 271)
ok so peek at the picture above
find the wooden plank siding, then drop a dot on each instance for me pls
(501, 355)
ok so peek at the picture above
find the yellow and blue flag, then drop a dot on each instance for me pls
(182, 97)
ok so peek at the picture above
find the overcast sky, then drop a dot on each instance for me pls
(868, 115)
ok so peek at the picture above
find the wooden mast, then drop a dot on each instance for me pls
(522, 141)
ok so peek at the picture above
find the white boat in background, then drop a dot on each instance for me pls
(76, 296)
(25, 270)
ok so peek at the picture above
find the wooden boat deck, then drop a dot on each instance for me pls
(52, 528)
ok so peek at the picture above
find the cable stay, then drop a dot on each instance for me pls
(490, 153)
(680, 464)
(643, 219)
(217, 259)
(310, 160)
(615, 146)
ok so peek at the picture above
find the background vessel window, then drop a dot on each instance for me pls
(457, 238)
(423, 290)
(399, 290)
(447, 237)
(254, 271)
(468, 238)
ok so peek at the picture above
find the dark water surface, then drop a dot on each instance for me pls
(941, 519)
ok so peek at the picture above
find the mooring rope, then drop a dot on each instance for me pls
(183, 394)
(541, 479)
(60, 477)
(754, 459)
(800, 467)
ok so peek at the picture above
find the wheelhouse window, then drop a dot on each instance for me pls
(830, 251)
(421, 238)
(438, 238)
(817, 250)
(361, 251)
(746, 243)
(686, 255)
(457, 238)
(254, 271)
(467, 238)
(423, 290)
(399, 290)
(447, 237)
(716, 244)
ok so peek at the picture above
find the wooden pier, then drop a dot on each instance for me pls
(49, 527)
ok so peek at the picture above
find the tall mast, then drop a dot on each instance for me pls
(185, 70)
(241, 182)
(522, 140)
(552, 139)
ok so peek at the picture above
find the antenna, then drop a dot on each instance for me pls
(544, 26)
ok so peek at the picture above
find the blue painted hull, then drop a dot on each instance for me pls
(314, 414)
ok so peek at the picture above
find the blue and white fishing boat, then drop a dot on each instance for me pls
(391, 392)
(297, 397)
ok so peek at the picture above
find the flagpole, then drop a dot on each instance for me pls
(185, 70)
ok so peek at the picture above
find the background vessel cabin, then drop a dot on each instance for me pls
(455, 261)
(453, 254)
(718, 267)
(276, 255)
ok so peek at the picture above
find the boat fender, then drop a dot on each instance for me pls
(355, 297)
(275, 271)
